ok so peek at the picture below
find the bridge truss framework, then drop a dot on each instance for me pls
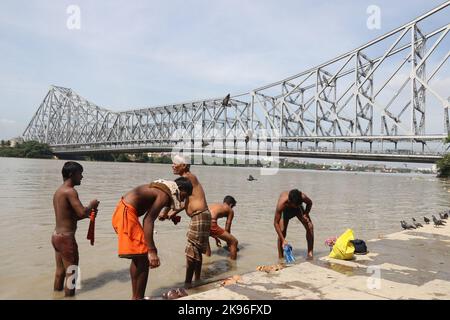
(346, 105)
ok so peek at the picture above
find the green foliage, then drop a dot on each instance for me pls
(122, 158)
(163, 159)
(443, 166)
(308, 166)
(28, 149)
(101, 157)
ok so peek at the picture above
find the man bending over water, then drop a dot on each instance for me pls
(290, 205)
(68, 210)
(222, 210)
(136, 242)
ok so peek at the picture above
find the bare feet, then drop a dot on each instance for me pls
(182, 293)
(175, 294)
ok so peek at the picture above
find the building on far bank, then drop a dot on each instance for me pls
(15, 141)
(336, 166)
(434, 168)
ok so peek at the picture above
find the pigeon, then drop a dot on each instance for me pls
(427, 221)
(437, 222)
(403, 224)
(409, 226)
(251, 178)
(406, 225)
(443, 216)
(442, 219)
(416, 224)
(226, 100)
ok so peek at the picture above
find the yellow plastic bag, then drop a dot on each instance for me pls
(343, 248)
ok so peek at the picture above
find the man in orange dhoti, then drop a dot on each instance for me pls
(136, 241)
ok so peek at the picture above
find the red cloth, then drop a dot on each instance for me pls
(215, 229)
(91, 230)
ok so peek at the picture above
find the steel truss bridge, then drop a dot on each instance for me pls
(385, 100)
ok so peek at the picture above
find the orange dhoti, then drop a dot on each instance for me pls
(125, 222)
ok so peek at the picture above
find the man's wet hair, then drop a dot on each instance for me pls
(70, 168)
(295, 197)
(229, 200)
(184, 185)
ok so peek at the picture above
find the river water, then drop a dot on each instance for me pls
(372, 204)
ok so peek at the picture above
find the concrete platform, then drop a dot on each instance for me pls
(413, 264)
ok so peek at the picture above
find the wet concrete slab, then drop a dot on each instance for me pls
(413, 264)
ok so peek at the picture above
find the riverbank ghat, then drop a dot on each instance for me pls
(411, 264)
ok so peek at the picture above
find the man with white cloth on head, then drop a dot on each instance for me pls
(197, 209)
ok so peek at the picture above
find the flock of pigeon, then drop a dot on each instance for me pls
(437, 222)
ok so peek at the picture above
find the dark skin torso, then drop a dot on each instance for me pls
(143, 197)
(281, 225)
(66, 220)
(68, 208)
(149, 201)
(196, 201)
(219, 210)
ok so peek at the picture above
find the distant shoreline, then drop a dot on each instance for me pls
(37, 150)
(307, 166)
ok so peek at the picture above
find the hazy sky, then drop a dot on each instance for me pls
(130, 54)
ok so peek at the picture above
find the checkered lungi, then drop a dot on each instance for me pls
(198, 234)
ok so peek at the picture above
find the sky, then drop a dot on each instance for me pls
(136, 54)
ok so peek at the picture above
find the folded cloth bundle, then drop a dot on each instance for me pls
(171, 189)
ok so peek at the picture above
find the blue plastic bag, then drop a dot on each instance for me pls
(288, 255)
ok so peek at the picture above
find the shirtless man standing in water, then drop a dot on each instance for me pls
(68, 210)
(290, 205)
(197, 209)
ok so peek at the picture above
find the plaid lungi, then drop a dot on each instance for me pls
(198, 234)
